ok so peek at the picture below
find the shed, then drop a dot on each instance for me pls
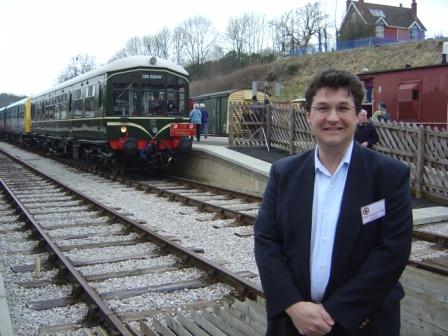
(217, 104)
(411, 94)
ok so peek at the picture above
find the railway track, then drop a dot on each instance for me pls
(238, 212)
(75, 233)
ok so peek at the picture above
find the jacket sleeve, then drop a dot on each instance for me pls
(276, 277)
(380, 271)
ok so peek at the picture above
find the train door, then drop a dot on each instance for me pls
(409, 100)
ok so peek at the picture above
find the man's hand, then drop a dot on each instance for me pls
(310, 319)
(365, 144)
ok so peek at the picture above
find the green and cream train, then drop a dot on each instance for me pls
(133, 109)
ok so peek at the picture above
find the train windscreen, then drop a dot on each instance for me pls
(149, 94)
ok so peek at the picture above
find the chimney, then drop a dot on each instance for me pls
(361, 2)
(445, 52)
(414, 8)
(401, 5)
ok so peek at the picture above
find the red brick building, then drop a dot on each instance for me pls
(366, 24)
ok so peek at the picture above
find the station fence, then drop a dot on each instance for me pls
(423, 149)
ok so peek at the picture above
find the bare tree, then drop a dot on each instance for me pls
(236, 35)
(199, 39)
(157, 45)
(162, 41)
(256, 33)
(119, 54)
(134, 46)
(177, 45)
(299, 26)
(78, 65)
(247, 34)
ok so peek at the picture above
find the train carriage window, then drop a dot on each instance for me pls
(63, 107)
(124, 99)
(77, 104)
(90, 102)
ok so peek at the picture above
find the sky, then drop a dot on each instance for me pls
(39, 37)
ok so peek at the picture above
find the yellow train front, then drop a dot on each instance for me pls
(15, 121)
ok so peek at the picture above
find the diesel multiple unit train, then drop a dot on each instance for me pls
(134, 109)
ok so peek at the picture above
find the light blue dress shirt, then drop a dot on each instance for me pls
(328, 190)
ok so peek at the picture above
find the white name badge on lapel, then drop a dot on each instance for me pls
(373, 211)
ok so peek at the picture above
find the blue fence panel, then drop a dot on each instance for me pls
(364, 43)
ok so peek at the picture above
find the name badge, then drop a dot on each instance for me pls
(373, 211)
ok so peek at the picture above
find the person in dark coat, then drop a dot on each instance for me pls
(204, 120)
(365, 132)
(334, 230)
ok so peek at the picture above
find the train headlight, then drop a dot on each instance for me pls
(174, 125)
(123, 129)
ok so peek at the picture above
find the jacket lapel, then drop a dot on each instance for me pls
(301, 209)
(349, 222)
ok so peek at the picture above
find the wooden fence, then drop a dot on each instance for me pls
(285, 128)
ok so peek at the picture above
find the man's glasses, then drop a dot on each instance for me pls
(328, 109)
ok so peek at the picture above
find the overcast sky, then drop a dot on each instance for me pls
(39, 37)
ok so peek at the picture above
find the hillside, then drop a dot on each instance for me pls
(6, 99)
(294, 73)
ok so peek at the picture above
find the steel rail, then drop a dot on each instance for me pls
(111, 319)
(244, 287)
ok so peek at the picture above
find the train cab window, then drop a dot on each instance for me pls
(176, 91)
(153, 101)
(124, 98)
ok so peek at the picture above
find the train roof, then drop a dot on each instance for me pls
(19, 102)
(130, 62)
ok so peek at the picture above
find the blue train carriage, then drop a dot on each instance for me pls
(134, 109)
(2, 122)
(15, 120)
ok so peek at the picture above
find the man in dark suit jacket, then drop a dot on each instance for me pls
(333, 234)
(365, 132)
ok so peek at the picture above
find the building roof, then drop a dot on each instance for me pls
(398, 17)
(435, 67)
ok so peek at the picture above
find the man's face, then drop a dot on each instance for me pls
(332, 118)
(362, 117)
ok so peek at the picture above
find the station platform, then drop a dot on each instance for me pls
(212, 162)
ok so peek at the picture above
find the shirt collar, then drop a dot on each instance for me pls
(345, 160)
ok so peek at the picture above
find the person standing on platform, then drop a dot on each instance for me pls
(382, 114)
(365, 133)
(204, 120)
(334, 230)
(195, 118)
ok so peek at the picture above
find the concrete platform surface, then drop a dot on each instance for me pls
(430, 215)
(243, 160)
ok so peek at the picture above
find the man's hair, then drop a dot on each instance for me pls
(336, 79)
(202, 105)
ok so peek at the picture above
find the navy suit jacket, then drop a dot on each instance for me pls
(363, 292)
